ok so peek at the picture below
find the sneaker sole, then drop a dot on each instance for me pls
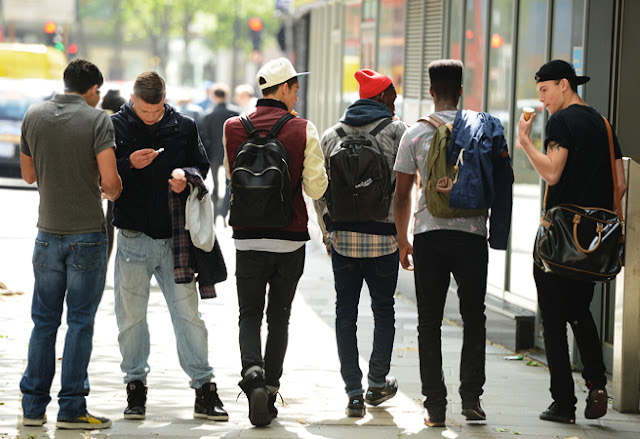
(33, 422)
(560, 419)
(134, 417)
(258, 407)
(379, 401)
(435, 424)
(352, 413)
(70, 425)
(598, 407)
(473, 415)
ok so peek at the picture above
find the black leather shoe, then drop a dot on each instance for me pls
(208, 404)
(474, 412)
(355, 408)
(596, 403)
(434, 420)
(555, 413)
(136, 400)
(376, 396)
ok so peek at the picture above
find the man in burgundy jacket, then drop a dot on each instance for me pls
(273, 256)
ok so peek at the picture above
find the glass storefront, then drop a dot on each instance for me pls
(391, 41)
(351, 57)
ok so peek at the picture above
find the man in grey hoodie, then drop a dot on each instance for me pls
(365, 250)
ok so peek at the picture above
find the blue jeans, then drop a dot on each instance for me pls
(138, 258)
(71, 268)
(381, 275)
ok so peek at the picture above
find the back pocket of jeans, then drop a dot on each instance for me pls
(40, 254)
(86, 255)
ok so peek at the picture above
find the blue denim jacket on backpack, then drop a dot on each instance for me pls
(485, 176)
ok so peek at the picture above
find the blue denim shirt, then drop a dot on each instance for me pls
(485, 178)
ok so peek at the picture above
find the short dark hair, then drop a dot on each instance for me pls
(112, 100)
(446, 78)
(572, 83)
(80, 75)
(269, 90)
(149, 87)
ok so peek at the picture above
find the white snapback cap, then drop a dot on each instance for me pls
(276, 72)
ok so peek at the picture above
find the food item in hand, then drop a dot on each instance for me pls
(178, 174)
(528, 111)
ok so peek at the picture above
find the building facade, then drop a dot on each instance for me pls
(502, 44)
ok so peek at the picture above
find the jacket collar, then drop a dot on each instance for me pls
(168, 120)
(271, 103)
(365, 111)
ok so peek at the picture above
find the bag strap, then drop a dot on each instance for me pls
(248, 126)
(614, 171)
(280, 123)
(251, 130)
(433, 120)
(374, 132)
(382, 125)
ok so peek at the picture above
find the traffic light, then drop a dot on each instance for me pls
(255, 26)
(53, 35)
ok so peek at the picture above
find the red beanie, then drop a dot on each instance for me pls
(371, 83)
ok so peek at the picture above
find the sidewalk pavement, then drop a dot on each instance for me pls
(312, 389)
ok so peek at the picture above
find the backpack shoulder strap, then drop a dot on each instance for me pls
(280, 123)
(433, 120)
(341, 132)
(248, 126)
(382, 125)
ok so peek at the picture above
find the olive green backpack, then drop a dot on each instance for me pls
(442, 174)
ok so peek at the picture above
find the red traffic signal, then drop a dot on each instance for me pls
(255, 24)
(73, 49)
(50, 27)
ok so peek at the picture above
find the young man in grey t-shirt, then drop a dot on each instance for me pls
(445, 246)
(67, 147)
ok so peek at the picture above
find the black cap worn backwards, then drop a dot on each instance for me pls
(559, 69)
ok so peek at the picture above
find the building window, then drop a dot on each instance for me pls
(391, 41)
(351, 57)
(532, 53)
(474, 52)
(500, 91)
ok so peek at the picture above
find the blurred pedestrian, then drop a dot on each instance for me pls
(153, 139)
(577, 169)
(212, 131)
(207, 102)
(245, 98)
(111, 103)
(67, 145)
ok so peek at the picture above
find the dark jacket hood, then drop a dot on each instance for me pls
(365, 111)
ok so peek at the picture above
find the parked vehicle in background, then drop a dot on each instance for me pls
(16, 96)
(31, 61)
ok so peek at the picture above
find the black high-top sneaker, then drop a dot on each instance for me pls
(208, 404)
(257, 393)
(136, 400)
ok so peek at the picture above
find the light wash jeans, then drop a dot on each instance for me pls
(71, 268)
(137, 259)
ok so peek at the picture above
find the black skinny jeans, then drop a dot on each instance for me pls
(254, 271)
(565, 301)
(437, 255)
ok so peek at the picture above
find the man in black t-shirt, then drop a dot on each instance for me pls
(577, 169)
